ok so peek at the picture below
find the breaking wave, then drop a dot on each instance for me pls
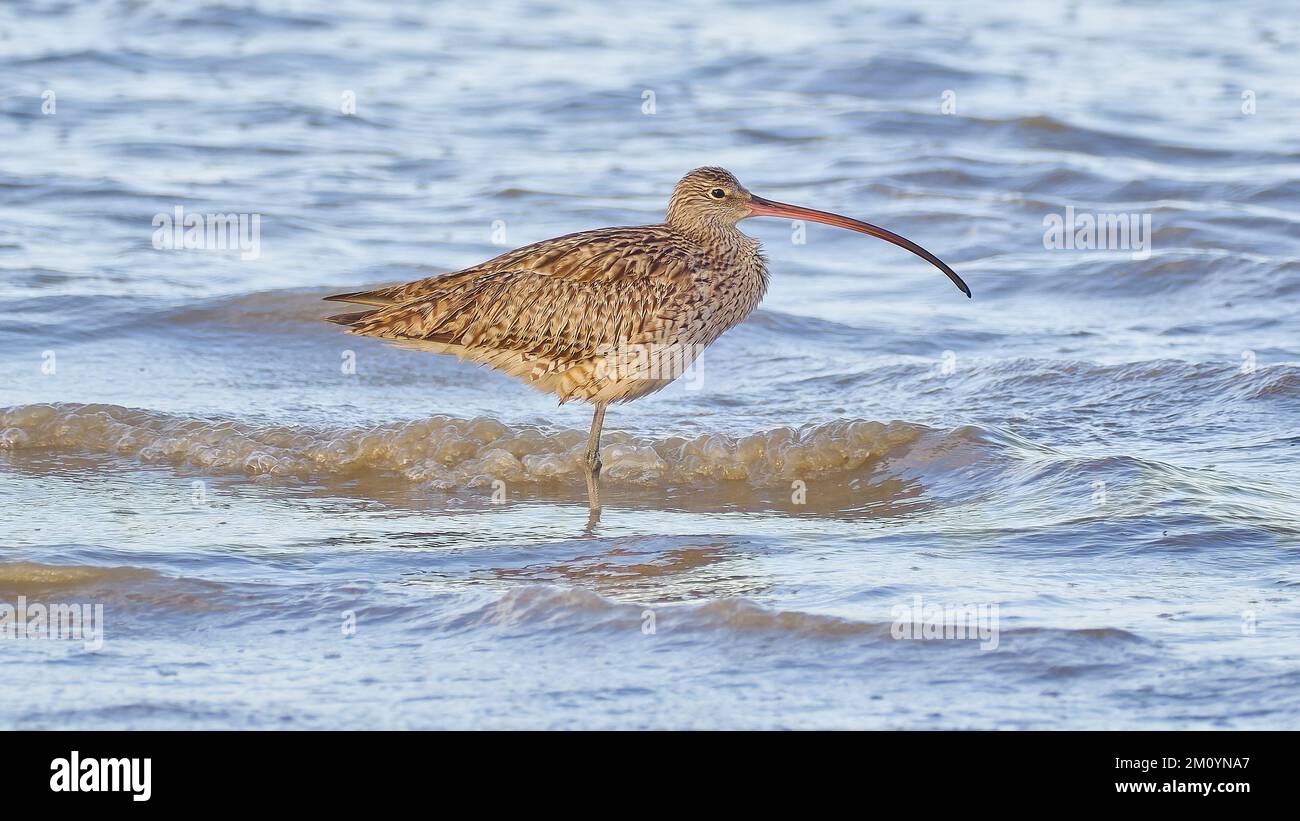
(446, 452)
(21, 578)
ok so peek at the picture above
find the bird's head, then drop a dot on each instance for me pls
(708, 196)
(711, 199)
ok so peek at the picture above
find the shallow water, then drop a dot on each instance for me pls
(1103, 447)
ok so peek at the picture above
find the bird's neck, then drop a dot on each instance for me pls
(720, 238)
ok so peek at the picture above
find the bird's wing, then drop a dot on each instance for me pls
(566, 299)
(537, 314)
(602, 254)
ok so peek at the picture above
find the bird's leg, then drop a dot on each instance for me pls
(593, 469)
(593, 442)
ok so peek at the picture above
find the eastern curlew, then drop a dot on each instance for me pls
(608, 315)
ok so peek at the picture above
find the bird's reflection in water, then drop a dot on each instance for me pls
(593, 504)
(546, 538)
(879, 501)
(671, 568)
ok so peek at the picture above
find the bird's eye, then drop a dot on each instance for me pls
(717, 193)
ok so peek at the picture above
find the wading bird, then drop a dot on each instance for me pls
(602, 316)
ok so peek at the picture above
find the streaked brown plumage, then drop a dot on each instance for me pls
(591, 315)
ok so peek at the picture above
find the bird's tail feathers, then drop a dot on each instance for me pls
(353, 319)
(363, 298)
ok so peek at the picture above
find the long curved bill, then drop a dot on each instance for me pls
(760, 207)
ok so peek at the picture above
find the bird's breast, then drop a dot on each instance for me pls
(732, 289)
